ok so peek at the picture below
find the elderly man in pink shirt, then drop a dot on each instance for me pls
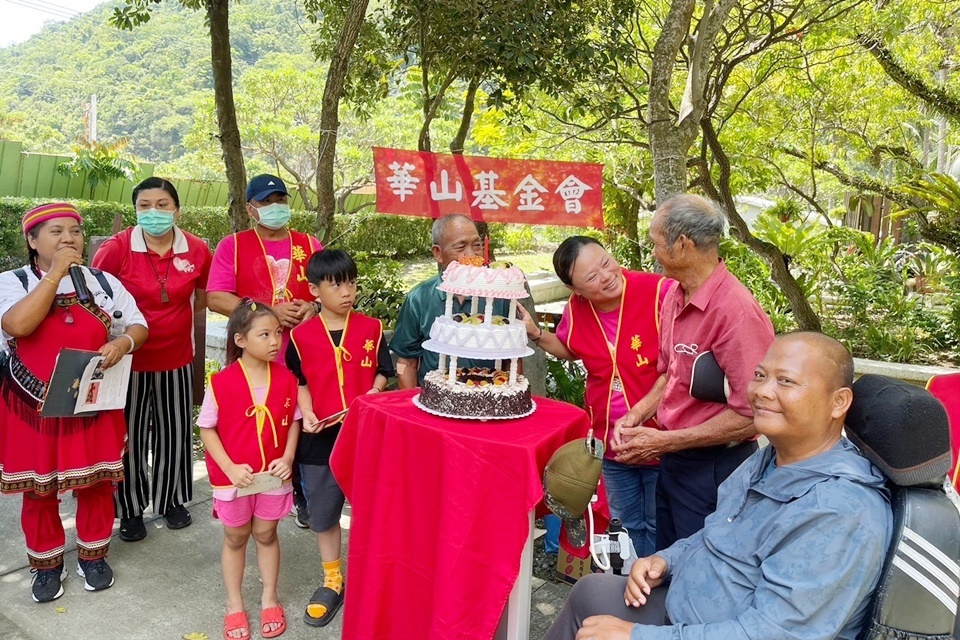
(700, 443)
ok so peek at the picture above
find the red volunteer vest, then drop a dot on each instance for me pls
(254, 279)
(252, 434)
(352, 366)
(69, 325)
(637, 346)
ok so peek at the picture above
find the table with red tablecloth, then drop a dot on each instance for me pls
(439, 513)
(946, 389)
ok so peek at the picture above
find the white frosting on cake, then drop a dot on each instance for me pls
(467, 280)
(503, 338)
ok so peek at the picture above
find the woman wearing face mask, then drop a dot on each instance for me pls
(165, 268)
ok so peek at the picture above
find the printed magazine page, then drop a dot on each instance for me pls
(101, 389)
(80, 387)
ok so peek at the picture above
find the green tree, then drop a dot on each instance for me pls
(351, 23)
(100, 162)
(137, 12)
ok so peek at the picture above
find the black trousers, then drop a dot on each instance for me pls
(598, 594)
(687, 487)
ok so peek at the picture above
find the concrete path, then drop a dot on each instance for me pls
(169, 585)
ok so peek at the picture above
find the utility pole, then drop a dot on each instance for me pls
(93, 118)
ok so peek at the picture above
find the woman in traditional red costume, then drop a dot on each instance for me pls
(611, 324)
(40, 314)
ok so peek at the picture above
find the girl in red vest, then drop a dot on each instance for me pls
(249, 426)
(337, 355)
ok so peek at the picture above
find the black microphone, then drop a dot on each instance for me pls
(80, 283)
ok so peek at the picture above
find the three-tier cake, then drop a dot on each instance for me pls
(478, 393)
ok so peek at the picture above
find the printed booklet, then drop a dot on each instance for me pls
(80, 386)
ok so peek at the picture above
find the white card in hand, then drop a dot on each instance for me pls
(332, 418)
(261, 482)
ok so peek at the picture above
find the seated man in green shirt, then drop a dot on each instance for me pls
(454, 236)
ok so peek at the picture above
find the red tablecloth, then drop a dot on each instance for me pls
(946, 389)
(439, 513)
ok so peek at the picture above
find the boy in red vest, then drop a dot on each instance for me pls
(347, 347)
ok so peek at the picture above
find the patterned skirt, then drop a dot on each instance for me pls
(45, 455)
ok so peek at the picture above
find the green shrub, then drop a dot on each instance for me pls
(382, 235)
(566, 381)
(519, 239)
(754, 273)
(375, 234)
(380, 290)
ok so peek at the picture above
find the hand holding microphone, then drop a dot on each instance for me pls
(80, 284)
(68, 260)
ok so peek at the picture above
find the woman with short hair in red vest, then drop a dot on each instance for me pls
(165, 268)
(249, 424)
(41, 312)
(612, 324)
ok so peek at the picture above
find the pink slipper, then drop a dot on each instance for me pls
(236, 622)
(273, 615)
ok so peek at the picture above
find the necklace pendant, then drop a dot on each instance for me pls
(163, 295)
(617, 384)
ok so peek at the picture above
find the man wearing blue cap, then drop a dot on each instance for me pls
(267, 264)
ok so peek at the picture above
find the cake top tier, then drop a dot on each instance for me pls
(498, 280)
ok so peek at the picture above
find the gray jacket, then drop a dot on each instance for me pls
(791, 552)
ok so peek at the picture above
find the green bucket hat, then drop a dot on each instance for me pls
(569, 482)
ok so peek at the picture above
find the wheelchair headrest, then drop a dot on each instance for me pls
(900, 428)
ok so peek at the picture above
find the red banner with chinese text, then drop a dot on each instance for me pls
(417, 183)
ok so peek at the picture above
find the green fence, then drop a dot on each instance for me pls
(35, 175)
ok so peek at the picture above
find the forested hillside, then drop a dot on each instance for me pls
(148, 81)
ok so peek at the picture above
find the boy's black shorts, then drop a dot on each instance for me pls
(324, 497)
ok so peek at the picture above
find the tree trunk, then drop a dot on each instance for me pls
(460, 140)
(669, 139)
(935, 97)
(669, 143)
(218, 15)
(803, 313)
(330, 116)
(469, 104)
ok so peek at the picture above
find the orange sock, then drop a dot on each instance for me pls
(333, 575)
(333, 579)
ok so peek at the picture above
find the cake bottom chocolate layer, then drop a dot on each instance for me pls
(488, 401)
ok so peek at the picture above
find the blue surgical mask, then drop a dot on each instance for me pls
(274, 216)
(155, 222)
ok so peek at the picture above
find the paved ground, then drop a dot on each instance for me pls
(169, 585)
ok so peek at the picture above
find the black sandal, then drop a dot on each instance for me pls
(330, 599)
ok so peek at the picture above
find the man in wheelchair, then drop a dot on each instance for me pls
(800, 544)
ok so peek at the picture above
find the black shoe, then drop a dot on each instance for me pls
(303, 517)
(330, 599)
(46, 583)
(97, 574)
(178, 518)
(132, 529)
